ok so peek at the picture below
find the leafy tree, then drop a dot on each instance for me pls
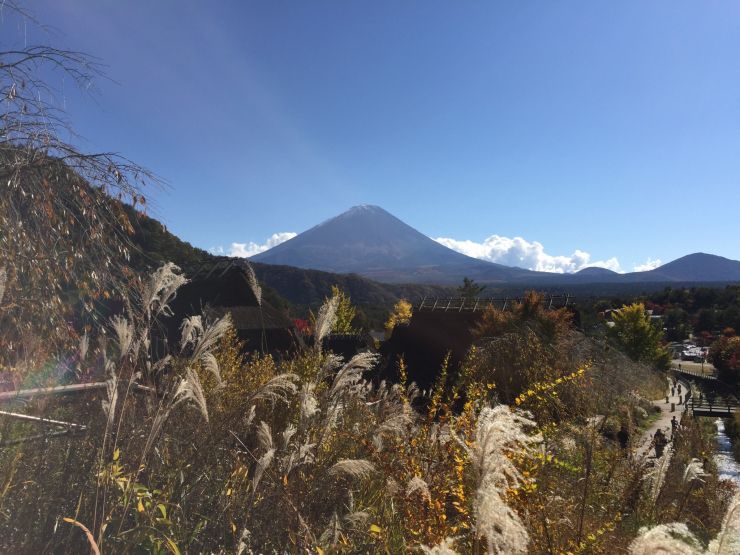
(345, 312)
(730, 317)
(677, 324)
(401, 314)
(725, 355)
(708, 309)
(470, 290)
(705, 320)
(638, 336)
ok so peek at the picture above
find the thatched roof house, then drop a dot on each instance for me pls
(441, 327)
(425, 342)
(227, 290)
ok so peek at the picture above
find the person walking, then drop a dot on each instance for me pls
(674, 426)
(659, 441)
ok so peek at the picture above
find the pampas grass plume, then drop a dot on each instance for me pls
(124, 333)
(657, 476)
(325, 320)
(444, 548)
(666, 539)
(727, 541)
(417, 484)
(356, 468)
(277, 388)
(3, 281)
(694, 471)
(253, 283)
(161, 289)
(499, 431)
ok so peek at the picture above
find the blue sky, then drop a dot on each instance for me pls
(552, 134)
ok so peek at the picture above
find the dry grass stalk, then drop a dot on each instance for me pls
(90, 539)
(727, 541)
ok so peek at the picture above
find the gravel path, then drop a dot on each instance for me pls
(644, 447)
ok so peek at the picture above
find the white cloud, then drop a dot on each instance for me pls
(524, 254)
(245, 250)
(650, 264)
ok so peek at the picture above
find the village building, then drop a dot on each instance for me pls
(220, 289)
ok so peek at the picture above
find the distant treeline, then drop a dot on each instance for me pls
(701, 310)
(296, 290)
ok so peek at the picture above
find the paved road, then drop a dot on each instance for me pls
(643, 447)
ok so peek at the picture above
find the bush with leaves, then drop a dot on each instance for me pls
(401, 314)
(724, 354)
(518, 348)
(635, 333)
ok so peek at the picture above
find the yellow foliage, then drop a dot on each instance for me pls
(538, 389)
(345, 312)
(401, 314)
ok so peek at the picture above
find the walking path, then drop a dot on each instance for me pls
(644, 445)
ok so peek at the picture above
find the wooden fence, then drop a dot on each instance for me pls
(460, 304)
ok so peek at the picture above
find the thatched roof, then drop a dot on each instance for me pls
(250, 317)
(227, 290)
(425, 342)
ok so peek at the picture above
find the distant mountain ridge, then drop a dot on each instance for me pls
(369, 241)
(693, 268)
(153, 245)
(596, 271)
(698, 267)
